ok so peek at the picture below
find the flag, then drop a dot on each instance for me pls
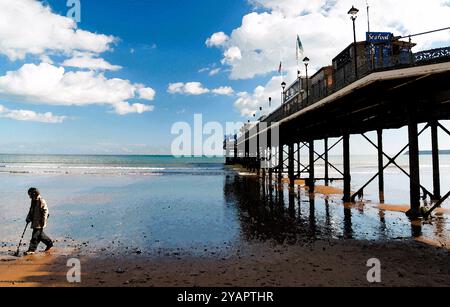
(299, 47)
(280, 67)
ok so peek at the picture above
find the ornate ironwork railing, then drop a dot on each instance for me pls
(297, 102)
(433, 55)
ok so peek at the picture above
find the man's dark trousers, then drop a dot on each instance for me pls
(38, 237)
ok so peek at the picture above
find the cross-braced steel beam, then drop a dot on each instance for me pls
(360, 192)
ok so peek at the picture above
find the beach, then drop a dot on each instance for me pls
(199, 223)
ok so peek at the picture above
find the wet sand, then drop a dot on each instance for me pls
(288, 242)
(322, 263)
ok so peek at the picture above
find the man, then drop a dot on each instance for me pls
(38, 216)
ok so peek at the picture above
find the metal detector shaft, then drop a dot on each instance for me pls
(21, 239)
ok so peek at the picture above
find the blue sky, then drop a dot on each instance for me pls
(158, 43)
(168, 39)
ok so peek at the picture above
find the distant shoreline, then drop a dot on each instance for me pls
(429, 152)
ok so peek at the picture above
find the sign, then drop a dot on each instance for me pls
(379, 37)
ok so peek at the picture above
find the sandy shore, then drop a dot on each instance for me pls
(252, 261)
(322, 263)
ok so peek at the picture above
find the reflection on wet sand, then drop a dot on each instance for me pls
(273, 211)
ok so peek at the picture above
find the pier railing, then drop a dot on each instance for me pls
(301, 100)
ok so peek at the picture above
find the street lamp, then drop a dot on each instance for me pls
(283, 86)
(306, 62)
(270, 103)
(353, 12)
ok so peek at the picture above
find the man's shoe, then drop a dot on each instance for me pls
(49, 247)
(28, 253)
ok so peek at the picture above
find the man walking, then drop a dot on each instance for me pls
(38, 216)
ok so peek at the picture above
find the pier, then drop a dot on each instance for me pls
(371, 86)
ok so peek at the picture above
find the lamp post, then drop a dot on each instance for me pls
(306, 62)
(353, 12)
(270, 103)
(283, 86)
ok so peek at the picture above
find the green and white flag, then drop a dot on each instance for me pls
(299, 48)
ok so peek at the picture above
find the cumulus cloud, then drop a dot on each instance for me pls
(190, 88)
(27, 115)
(231, 55)
(223, 90)
(196, 88)
(49, 84)
(268, 36)
(147, 93)
(249, 103)
(89, 61)
(29, 27)
(124, 108)
(217, 39)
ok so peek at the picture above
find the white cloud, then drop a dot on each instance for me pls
(249, 103)
(217, 39)
(190, 88)
(232, 54)
(196, 88)
(27, 115)
(124, 108)
(28, 27)
(147, 93)
(215, 71)
(266, 37)
(48, 84)
(90, 61)
(175, 88)
(223, 90)
(204, 69)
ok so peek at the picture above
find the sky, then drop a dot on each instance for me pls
(114, 78)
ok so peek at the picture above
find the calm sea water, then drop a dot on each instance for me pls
(113, 165)
(151, 203)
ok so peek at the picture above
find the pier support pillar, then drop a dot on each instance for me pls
(435, 154)
(414, 169)
(327, 176)
(380, 165)
(347, 175)
(263, 165)
(247, 151)
(235, 149)
(269, 161)
(280, 163)
(291, 167)
(311, 182)
(299, 170)
(258, 153)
